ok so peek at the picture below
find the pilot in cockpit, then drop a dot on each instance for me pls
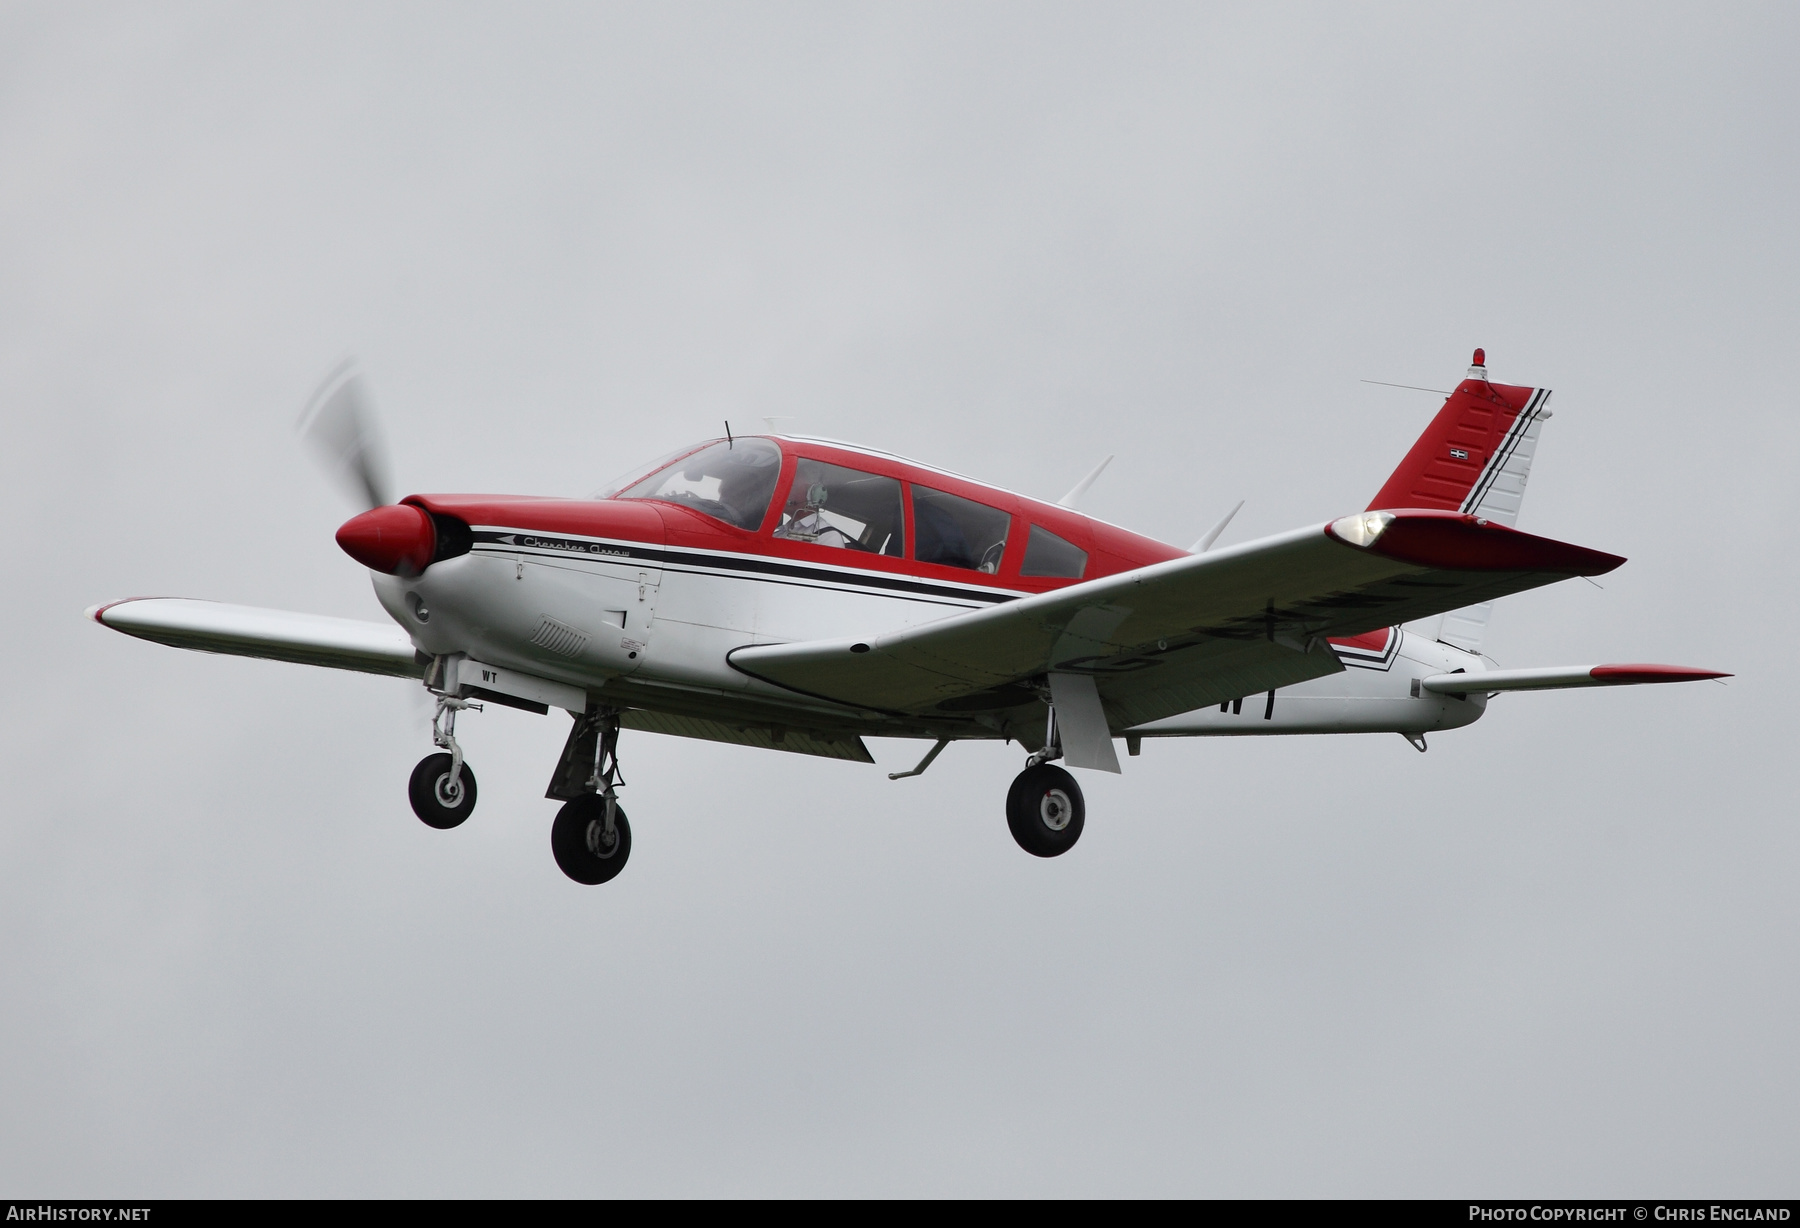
(807, 522)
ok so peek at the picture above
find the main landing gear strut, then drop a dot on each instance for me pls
(1044, 807)
(442, 789)
(591, 837)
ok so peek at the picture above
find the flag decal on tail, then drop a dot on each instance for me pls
(1459, 454)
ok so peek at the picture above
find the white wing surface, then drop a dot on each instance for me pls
(278, 635)
(1176, 636)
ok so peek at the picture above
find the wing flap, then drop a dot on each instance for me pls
(1178, 635)
(275, 635)
(1082, 722)
(801, 742)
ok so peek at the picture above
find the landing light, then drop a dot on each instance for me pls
(1363, 528)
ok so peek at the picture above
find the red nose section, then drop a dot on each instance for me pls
(398, 539)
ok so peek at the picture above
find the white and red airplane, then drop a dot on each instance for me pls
(799, 594)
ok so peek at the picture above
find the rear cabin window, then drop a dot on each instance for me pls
(830, 505)
(732, 481)
(1046, 554)
(957, 532)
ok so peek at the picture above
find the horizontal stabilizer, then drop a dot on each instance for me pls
(1560, 677)
(275, 635)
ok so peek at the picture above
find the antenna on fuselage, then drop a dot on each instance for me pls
(1081, 487)
(1443, 392)
(729, 441)
(1212, 534)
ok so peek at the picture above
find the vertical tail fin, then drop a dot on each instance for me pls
(1476, 454)
(1475, 458)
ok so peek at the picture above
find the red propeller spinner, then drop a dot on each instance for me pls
(398, 539)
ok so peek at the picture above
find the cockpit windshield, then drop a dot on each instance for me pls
(731, 481)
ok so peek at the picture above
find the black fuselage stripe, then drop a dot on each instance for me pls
(948, 603)
(598, 552)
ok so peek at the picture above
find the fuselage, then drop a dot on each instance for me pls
(640, 599)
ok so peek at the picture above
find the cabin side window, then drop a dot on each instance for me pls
(829, 505)
(1046, 554)
(731, 481)
(956, 532)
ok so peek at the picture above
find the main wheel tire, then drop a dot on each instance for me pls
(433, 800)
(578, 839)
(1045, 811)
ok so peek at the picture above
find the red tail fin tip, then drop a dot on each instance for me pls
(1475, 455)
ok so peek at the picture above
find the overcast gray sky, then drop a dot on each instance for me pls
(1557, 955)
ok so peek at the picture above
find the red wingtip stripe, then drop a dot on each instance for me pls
(97, 612)
(1621, 675)
(1456, 542)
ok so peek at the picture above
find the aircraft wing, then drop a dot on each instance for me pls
(250, 631)
(1179, 635)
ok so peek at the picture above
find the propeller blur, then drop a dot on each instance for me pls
(340, 426)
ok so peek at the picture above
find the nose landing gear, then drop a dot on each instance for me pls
(442, 788)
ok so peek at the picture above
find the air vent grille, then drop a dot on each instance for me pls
(559, 638)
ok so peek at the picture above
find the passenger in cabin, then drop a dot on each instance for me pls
(941, 538)
(809, 524)
(846, 509)
(958, 532)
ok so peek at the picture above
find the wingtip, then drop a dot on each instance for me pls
(1430, 537)
(98, 612)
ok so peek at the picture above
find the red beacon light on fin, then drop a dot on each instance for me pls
(1478, 367)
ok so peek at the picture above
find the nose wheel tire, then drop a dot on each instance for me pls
(578, 838)
(437, 801)
(1045, 811)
